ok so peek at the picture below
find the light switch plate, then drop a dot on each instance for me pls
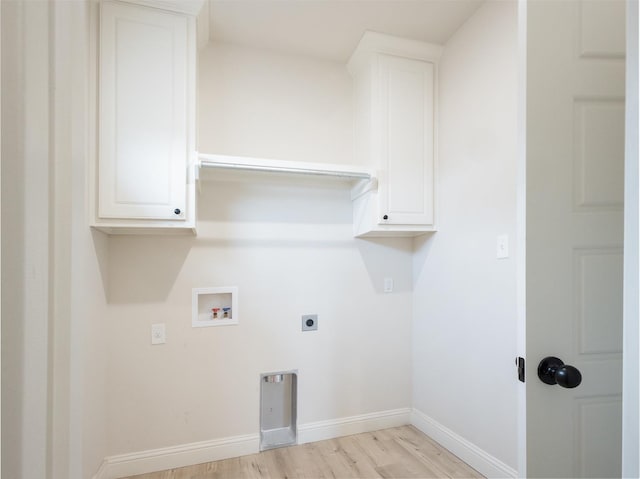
(388, 285)
(502, 247)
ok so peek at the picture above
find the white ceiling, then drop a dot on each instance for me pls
(331, 29)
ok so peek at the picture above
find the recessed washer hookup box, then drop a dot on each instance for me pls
(278, 409)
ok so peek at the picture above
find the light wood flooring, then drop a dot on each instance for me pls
(401, 452)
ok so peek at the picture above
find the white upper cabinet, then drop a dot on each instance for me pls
(406, 194)
(146, 119)
(395, 91)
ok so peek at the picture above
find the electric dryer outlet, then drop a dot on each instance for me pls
(309, 322)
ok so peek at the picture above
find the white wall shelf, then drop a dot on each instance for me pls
(216, 306)
(329, 170)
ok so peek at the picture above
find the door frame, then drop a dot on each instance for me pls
(521, 230)
(631, 285)
(631, 290)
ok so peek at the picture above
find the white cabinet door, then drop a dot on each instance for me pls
(143, 113)
(406, 136)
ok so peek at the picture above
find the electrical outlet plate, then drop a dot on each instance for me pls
(309, 322)
(158, 334)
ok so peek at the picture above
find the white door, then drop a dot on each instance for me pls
(574, 257)
(143, 113)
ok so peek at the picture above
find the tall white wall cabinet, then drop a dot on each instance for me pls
(395, 83)
(144, 181)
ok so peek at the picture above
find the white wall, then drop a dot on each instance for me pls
(88, 267)
(78, 257)
(269, 105)
(464, 318)
(54, 354)
(288, 247)
(25, 266)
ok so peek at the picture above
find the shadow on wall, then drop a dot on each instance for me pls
(422, 246)
(101, 249)
(373, 252)
(14, 271)
(143, 269)
(240, 222)
(274, 198)
(272, 213)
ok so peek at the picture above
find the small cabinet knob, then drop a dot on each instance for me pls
(177, 211)
(385, 217)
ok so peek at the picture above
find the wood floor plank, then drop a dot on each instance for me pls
(337, 464)
(399, 453)
(429, 450)
(310, 463)
(252, 467)
(364, 464)
(413, 465)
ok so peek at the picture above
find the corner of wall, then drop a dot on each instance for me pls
(480, 460)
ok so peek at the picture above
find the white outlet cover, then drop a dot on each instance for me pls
(388, 285)
(158, 333)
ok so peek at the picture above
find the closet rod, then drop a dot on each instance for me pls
(210, 161)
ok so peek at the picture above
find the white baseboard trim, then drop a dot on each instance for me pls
(101, 473)
(123, 465)
(480, 460)
(321, 430)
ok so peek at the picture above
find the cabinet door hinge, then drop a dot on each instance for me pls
(520, 366)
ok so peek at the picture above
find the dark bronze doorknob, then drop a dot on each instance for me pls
(552, 370)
